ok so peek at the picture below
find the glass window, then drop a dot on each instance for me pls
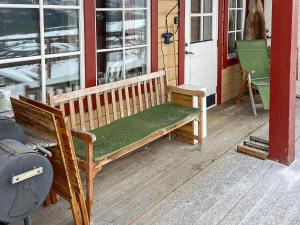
(201, 20)
(60, 2)
(26, 60)
(61, 31)
(19, 33)
(122, 39)
(236, 20)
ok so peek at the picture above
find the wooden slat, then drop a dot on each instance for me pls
(62, 107)
(134, 98)
(99, 113)
(81, 114)
(157, 90)
(146, 95)
(151, 93)
(107, 114)
(141, 102)
(127, 101)
(90, 112)
(120, 94)
(72, 113)
(105, 87)
(114, 104)
(163, 90)
(252, 152)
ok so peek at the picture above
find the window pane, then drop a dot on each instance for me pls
(19, 79)
(61, 2)
(207, 28)
(110, 67)
(196, 29)
(109, 30)
(19, 33)
(61, 31)
(109, 4)
(239, 20)
(136, 27)
(135, 62)
(135, 3)
(231, 43)
(19, 1)
(196, 6)
(240, 3)
(232, 3)
(62, 74)
(207, 5)
(239, 36)
(232, 15)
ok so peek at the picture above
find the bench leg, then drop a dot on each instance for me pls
(89, 191)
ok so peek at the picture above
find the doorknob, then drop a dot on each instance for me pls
(189, 53)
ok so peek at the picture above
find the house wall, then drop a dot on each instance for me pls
(231, 82)
(170, 51)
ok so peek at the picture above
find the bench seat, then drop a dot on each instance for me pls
(129, 130)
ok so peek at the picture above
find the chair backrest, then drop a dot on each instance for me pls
(253, 56)
(94, 107)
(50, 123)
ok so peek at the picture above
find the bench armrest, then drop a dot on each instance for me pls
(85, 136)
(178, 90)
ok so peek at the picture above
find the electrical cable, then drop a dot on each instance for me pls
(169, 14)
(163, 54)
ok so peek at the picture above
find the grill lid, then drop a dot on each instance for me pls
(26, 179)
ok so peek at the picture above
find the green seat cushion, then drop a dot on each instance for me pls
(129, 130)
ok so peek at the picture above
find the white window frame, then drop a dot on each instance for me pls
(42, 57)
(235, 31)
(147, 45)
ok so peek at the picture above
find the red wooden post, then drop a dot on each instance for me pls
(283, 81)
(90, 43)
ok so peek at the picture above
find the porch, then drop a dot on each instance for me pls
(173, 183)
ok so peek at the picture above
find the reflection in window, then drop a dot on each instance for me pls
(19, 1)
(109, 29)
(61, 31)
(236, 20)
(21, 55)
(135, 62)
(19, 79)
(62, 74)
(135, 27)
(19, 33)
(110, 66)
(122, 44)
(61, 2)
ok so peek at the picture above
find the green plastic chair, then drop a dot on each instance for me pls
(254, 61)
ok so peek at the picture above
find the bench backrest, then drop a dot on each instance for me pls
(94, 107)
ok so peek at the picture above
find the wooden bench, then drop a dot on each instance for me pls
(115, 119)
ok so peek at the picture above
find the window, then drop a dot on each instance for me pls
(41, 48)
(201, 20)
(236, 21)
(123, 36)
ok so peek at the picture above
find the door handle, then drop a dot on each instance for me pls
(189, 53)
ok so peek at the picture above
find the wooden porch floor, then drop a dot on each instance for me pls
(173, 183)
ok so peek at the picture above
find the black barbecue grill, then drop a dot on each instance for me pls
(25, 175)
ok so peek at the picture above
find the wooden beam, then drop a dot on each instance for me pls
(283, 81)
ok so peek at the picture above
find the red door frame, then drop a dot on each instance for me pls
(283, 80)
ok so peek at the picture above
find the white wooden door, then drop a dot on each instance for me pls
(201, 45)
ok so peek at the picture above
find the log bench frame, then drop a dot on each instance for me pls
(95, 107)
